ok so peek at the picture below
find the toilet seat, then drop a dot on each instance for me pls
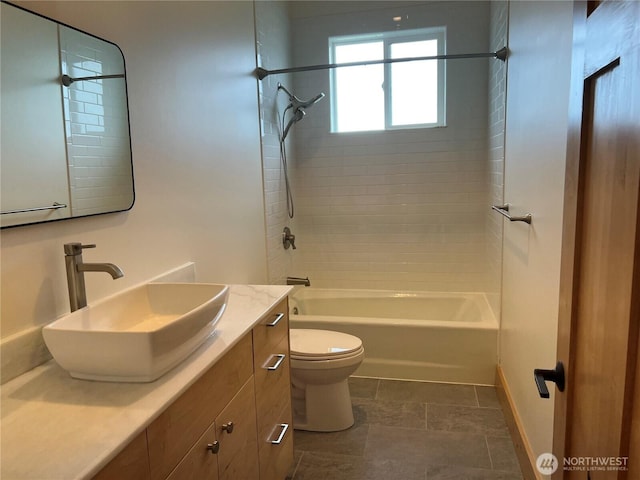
(323, 345)
(328, 358)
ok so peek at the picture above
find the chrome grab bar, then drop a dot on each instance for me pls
(504, 211)
(55, 206)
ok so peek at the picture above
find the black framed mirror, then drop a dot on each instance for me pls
(66, 143)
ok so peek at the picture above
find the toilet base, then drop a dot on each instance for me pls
(325, 408)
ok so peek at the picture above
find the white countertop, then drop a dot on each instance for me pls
(55, 427)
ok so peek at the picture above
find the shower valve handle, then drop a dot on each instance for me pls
(288, 239)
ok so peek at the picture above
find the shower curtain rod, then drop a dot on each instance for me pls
(67, 80)
(500, 55)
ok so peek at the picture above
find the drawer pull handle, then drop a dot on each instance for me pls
(276, 320)
(228, 427)
(284, 427)
(280, 357)
(214, 447)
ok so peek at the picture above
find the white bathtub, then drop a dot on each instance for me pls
(443, 337)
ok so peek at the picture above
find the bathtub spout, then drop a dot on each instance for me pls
(298, 281)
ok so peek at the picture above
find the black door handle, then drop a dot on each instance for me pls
(556, 375)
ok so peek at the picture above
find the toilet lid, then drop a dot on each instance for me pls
(322, 343)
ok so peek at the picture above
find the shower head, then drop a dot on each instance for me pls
(296, 103)
(298, 109)
(308, 103)
(298, 114)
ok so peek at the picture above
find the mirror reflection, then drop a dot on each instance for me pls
(66, 149)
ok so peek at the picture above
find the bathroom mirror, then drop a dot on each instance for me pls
(66, 148)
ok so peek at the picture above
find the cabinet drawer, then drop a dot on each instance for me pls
(271, 329)
(277, 458)
(273, 394)
(273, 386)
(175, 431)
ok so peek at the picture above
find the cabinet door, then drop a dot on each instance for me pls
(236, 432)
(202, 460)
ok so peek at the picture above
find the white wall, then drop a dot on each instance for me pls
(196, 155)
(540, 35)
(402, 209)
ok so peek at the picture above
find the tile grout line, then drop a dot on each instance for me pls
(426, 413)
(475, 391)
(295, 470)
(486, 442)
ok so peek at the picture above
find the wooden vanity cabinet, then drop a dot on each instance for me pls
(234, 423)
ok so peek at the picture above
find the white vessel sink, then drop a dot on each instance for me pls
(137, 335)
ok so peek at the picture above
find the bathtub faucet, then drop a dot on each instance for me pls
(298, 281)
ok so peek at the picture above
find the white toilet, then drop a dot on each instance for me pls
(321, 362)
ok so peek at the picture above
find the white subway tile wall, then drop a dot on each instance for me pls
(497, 101)
(403, 209)
(96, 126)
(273, 46)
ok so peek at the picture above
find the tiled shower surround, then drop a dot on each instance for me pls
(273, 38)
(495, 151)
(406, 209)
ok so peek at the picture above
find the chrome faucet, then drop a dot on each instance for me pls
(298, 281)
(75, 273)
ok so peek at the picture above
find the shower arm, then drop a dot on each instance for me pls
(291, 95)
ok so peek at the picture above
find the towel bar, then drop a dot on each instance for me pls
(504, 211)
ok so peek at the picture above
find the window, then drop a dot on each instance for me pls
(392, 95)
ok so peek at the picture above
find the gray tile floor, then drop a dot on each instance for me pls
(412, 431)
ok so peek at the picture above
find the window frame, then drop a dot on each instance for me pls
(389, 38)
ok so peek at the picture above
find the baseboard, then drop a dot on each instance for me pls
(523, 448)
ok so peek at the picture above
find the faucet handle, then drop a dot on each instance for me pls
(288, 239)
(75, 248)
